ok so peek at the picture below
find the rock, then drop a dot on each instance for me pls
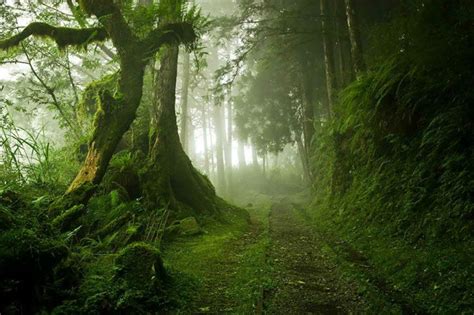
(189, 226)
(185, 227)
(140, 266)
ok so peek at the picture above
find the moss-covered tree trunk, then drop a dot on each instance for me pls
(113, 118)
(170, 177)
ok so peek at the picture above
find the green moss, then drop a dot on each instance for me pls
(69, 219)
(88, 105)
(6, 218)
(123, 175)
(140, 266)
(63, 36)
(114, 225)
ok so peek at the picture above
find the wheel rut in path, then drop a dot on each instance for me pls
(305, 280)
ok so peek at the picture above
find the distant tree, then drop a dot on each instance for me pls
(354, 35)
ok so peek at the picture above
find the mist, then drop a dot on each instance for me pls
(236, 156)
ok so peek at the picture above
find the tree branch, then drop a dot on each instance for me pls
(51, 93)
(63, 36)
(80, 18)
(178, 33)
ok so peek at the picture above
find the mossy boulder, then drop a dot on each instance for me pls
(185, 227)
(189, 226)
(140, 266)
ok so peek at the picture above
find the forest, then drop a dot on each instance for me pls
(237, 157)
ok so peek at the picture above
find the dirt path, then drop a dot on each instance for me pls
(279, 263)
(305, 280)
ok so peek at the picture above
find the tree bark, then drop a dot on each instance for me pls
(354, 36)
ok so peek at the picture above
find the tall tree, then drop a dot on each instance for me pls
(116, 111)
(170, 177)
(328, 55)
(228, 145)
(220, 136)
(241, 155)
(354, 36)
(205, 138)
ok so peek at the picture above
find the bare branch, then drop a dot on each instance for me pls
(63, 36)
(51, 93)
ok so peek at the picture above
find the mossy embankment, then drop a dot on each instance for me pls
(425, 278)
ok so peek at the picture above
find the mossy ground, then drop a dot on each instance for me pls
(227, 263)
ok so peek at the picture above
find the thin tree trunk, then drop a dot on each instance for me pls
(308, 111)
(220, 134)
(354, 36)
(212, 143)
(204, 135)
(241, 155)
(184, 103)
(254, 157)
(344, 45)
(304, 160)
(328, 57)
(228, 149)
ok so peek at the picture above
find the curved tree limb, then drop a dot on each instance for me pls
(179, 33)
(80, 19)
(63, 36)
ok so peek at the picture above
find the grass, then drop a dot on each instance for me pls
(432, 278)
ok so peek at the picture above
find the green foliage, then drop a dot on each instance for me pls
(30, 252)
(402, 140)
